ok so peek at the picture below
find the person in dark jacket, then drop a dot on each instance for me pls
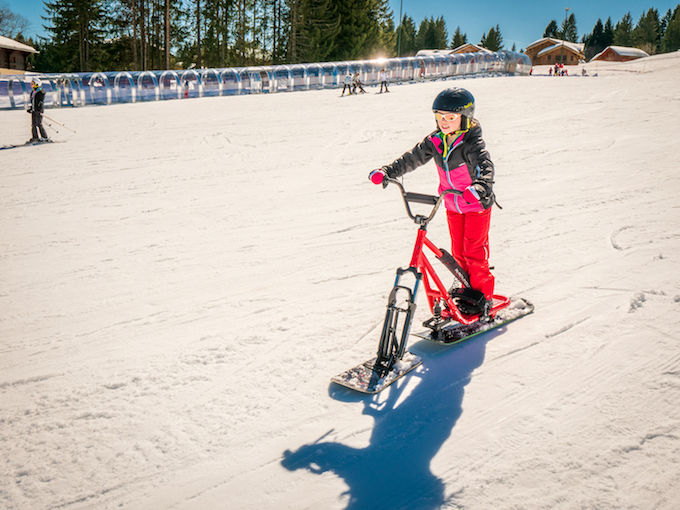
(464, 164)
(36, 110)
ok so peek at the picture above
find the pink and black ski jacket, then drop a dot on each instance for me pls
(464, 162)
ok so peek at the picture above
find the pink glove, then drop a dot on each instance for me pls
(377, 176)
(470, 195)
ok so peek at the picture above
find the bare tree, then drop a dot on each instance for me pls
(11, 24)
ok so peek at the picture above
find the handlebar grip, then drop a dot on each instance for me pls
(420, 198)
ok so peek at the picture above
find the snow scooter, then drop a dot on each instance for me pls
(457, 312)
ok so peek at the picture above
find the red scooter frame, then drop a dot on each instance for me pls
(444, 306)
(441, 303)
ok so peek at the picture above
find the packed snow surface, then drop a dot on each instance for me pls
(180, 280)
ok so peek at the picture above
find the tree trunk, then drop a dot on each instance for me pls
(135, 53)
(198, 34)
(167, 34)
(293, 32)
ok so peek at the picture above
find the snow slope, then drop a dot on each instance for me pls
(179, 281)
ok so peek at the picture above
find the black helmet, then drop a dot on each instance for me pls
(456, 100)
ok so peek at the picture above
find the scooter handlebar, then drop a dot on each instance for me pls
(433, 200)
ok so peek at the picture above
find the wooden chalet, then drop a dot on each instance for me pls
(465, 48)
(13, 55)
(619, 54)
(548, 51)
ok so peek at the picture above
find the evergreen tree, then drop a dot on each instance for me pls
(608, 33)
(315, 27)
(568, 31)
(493, 40)
(77, 29)
(623, 32)
(671, 36)
(646, 33)
(441, 34)
(594, 42)
(388, 35)
(426, 38)
(359, 29)
(458, 39)
(407, 37)
(664, 23)
(551, 30)
(432, 34)
(280, 32)
(217, 17)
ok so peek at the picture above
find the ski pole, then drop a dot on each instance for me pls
(50, 126)
(56, 121)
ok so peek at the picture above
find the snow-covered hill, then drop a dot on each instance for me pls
(179, 281)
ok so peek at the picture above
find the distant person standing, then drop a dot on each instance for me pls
(357, 83)
(383, 81)
(347, 85)
(36, 110)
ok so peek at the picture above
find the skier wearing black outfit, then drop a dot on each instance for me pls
(36, 110)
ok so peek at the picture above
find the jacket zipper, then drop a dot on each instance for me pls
(448, 174)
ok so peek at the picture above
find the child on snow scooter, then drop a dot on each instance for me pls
(463, 163)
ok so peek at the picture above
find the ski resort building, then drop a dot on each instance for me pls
(469, 48)
(619, 54)
(548, 51)
(464, 48)
(13, 55)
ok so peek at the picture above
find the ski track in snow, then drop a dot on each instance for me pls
(180, 280)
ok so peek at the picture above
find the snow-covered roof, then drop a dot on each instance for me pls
(11, 44)
(624, 51)
(427, 53)
(575, 47)
(475, 46)
(556, 43)
(540, 41)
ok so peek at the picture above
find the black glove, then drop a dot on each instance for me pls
(30, 110)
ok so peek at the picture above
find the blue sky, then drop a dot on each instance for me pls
(523, 22)
(520, 23)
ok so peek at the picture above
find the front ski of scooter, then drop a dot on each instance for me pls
(392, 360)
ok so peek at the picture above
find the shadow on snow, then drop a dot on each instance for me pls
(393, 471)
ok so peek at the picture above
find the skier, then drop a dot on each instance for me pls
(463, 163)
(357, 83)
(347, 85)
(383, 81)
(36, 110)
